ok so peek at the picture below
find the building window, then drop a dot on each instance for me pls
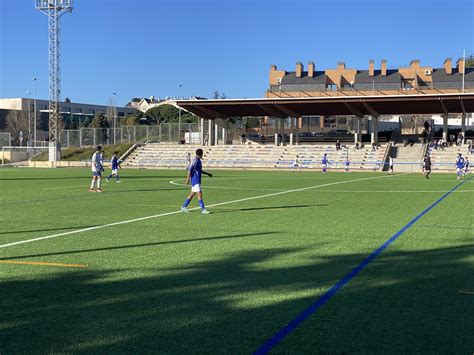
(331, 87)
(66, 109)
(121, 114)
(407, 85)
(90, 111)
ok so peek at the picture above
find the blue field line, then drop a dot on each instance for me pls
(279, 336)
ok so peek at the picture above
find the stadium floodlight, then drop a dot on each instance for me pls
(54, 9)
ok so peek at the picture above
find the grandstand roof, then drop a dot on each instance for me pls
(335, 105)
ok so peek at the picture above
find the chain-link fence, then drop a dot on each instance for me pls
(166, 132)
(5, 139)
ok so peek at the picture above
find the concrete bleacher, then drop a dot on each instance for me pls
(444, 160)
(156, 155)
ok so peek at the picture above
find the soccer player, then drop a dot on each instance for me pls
(115, 167)
(194, 175)
(466, 166)
(296, 164)
(459, 166)
(97, 169)
(427, 166)
(347, 162)
(188, 160)
(324, 163)
(390, 166)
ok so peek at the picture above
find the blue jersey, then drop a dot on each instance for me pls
(114, 162)
(325, 160)
(195, 169)
(460, 163)
(347, 163)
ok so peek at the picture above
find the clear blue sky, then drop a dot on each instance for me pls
(140, 48)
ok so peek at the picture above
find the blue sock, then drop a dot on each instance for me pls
(108, 177)
(117, 178)
(186, 203)
(201, 203)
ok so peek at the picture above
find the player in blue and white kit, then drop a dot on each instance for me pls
(459, 166)
(194, 175)
(347, 162)
(324, 163)
(115, 167)
(97, 169)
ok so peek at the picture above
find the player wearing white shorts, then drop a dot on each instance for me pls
(194, 176)
(296, 164)
(114, 162)
(97, 169)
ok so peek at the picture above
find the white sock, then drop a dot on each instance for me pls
(92, 184)
(98, 183)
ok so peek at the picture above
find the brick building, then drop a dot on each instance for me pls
(342, 81)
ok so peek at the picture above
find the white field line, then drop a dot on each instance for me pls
(337, 191)
(176, 212)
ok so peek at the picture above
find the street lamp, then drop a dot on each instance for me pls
(29, 117)
(179, 115)
(115, 115)
(34, 107)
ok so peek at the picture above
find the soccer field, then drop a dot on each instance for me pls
(230, 281)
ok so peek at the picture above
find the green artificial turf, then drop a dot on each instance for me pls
(226, 282)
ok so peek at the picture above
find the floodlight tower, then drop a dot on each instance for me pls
(54, 9)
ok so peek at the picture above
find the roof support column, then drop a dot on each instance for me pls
(357, 135)
(209, 132)
(299, 120)
(445, 128)
(374, 135)
(201, 132)
(292, 129)
(216, 133)
(463, 127)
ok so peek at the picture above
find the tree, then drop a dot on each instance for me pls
(470, 61)
(216, 95)
(67, 99)
(223, 97)
(100, 121)
(163, 113)
(17, 121)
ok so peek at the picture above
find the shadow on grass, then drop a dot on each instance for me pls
(219, 211)
(143, 245)
(403, 302)
(46, 230)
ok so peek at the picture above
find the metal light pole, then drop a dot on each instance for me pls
(54, 9)
(34, 108)
(179, 115)
(115, 115)
(29, 117)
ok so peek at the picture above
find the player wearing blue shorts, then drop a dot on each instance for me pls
(459, 166)
(194, 176)
(97, 168)
(324, 163)
(115, 167)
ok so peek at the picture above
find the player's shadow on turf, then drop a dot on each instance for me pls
(147, 190)
(264, 208)
(143, 245)
(47, 229)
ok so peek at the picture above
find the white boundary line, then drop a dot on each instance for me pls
(173, 182)
(176, 212)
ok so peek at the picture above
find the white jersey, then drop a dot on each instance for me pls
(97, 162)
